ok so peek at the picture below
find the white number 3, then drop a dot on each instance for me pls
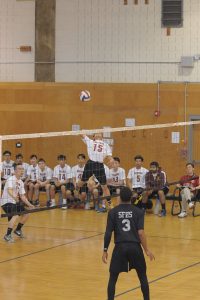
(127, 225)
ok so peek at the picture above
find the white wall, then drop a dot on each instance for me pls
(17, 27)
(116, 35)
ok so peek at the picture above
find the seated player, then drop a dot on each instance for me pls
(19, 160)
(155, 182)
(14, 201)
(43, 179)
(31, 180)
(77, 172)
(165, 190)
(188, 188)
(7, 169)
(98, 152)
(136, 177)
(116, 178)
(62, 177)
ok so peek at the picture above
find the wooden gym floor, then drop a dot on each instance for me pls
(61, 259)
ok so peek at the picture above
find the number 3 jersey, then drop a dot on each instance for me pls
(62, 174)
(137, 177)
(125, 220)
(116, 177)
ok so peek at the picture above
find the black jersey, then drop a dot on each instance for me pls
(125, 220)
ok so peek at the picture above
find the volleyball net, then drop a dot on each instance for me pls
(171, 145)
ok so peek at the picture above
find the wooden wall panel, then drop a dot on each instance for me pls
(44, 107)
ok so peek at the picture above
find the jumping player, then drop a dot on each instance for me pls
(98, 152)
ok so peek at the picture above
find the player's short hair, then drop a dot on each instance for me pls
(16, 164)
(125, 194)
(154, 163)
(61, 157)
(19, 155)
(139, 157)
(117, 159)
(33, 156)
(7, 152)
(41, 160)
(81, 155)
(190, 164)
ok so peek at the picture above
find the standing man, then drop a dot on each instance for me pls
(14, 201)
(98, 152)
(127, 222)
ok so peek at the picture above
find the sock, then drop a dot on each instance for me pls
(9, 230)
(163, 206)
(19, 226)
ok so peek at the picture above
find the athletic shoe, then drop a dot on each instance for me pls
(183, 214)
(19, 233)
(8, 238)
(64, 203)
(87, 205)
(191, 204)
(52, 203)
(102, 210)
(162, 213)
(36, 203)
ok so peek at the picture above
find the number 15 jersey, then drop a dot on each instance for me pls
(97, 150)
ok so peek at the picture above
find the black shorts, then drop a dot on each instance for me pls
(69, 186)
(138, 190)
(127, 256)
(10, 208)
(113, 189)
(83, 189)
(165, 189)
(94, 168)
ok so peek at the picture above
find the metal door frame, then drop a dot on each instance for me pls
(190, 139)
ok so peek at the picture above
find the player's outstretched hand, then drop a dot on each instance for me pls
(105, 257)
(150, 255)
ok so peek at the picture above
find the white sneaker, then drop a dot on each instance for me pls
(87, 205)
(64, 203)
(53, 203)
(191, 204)
(183, 214)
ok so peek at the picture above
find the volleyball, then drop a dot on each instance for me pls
(85, 96)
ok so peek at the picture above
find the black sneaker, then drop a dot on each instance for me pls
(8, 238)
(36, 203)
(19, 233)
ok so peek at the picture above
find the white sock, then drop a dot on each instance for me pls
(64, 201)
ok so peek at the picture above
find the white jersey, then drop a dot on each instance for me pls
(137, 177)
(25, 167)
(16, 185)
(117, 176)
(97, 150)
(62, 174)
(77, 172)
(44, 175)
(7, 169)
(32, 172)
